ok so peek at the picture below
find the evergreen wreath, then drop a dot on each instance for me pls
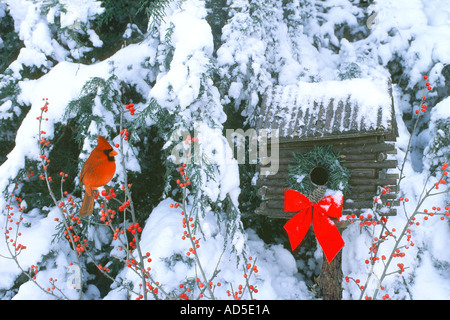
(324, 157)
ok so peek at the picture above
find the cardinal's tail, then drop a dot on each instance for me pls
(87, 207)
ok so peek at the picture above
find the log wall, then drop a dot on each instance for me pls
(366, 157)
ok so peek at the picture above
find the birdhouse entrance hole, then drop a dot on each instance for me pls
(319, 176)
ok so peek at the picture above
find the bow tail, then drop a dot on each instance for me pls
(297, 227)
(327, 234)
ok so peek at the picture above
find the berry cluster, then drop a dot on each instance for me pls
(125, 133)
(44, 143)
(131, 108)
(133, 228)
(44, 109)
(423, 106)
(249, 270)
(184, 177)
(33, 271)
(12, 232)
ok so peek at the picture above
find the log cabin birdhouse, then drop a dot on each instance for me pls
(354, 118)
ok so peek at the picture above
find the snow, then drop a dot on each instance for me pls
(38, 243)
(441, 110)
(256, 51)
(4, 108)
(193, 44)
(367, 94)
(215, 145)
(429, 285)
(79, 11)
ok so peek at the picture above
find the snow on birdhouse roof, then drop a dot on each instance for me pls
(329, 108)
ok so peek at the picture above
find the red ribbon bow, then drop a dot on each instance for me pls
(325, 230)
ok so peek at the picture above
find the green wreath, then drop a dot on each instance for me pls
(318, 167)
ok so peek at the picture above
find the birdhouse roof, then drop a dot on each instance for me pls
(329, 109)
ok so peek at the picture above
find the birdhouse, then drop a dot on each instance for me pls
(354, 118)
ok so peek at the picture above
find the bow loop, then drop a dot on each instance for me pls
(294, 201)
(332, 205)
(319, 213)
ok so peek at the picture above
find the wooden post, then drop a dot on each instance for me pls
(330, 279)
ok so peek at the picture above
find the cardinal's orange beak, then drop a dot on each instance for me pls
(113, 153)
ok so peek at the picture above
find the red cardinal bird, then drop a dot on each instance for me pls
(97, 171)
